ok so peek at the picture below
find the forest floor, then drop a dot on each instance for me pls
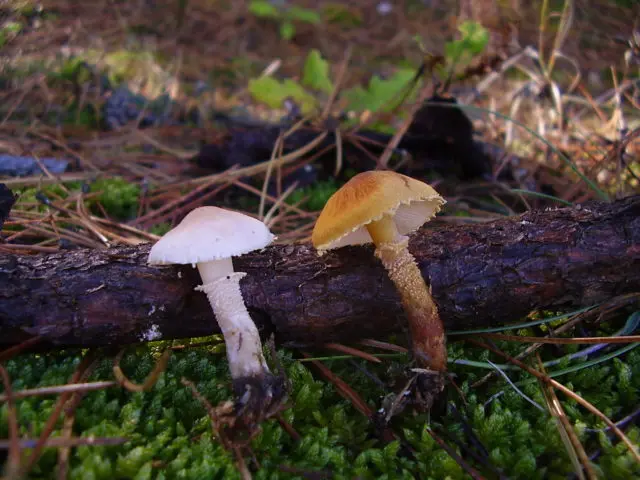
(118, 117)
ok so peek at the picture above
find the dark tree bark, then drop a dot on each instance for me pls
(482, 274)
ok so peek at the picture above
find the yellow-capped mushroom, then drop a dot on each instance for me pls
(383, 207)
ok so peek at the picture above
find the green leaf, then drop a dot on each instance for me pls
(474, 36)
(380, 93)
(262, 8)
(453, 50)
(390, 452)
(9, 31)
(287, 30)
(303, 15)
(273, 93)
(316, 72)
(474, 40)
(12, 27)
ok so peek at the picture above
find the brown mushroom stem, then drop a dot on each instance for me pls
(425, 326)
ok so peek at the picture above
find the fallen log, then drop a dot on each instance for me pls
(482, 274)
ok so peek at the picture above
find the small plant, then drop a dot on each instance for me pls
(381, 94)
(75, 70)
(317, 194)
(9, 31)
(273, 93)
(285, 16)
(473, 41)
(315, 76)
(316, 72)
(384, 94)
(118, 197)
(32, 195)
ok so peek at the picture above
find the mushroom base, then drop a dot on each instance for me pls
(241, 336)
(259, 397)
(425, 325)
(414, 388)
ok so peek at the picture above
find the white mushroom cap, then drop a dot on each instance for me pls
(210, 233)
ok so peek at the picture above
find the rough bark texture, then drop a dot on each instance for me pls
(483, 274)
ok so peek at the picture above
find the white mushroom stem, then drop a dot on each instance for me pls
(215, 269)
(244, 348)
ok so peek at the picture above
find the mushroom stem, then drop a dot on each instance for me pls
(384, 231)
(241, 336)
(214, 269)
(425, 325)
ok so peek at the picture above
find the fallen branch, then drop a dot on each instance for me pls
(481, 274)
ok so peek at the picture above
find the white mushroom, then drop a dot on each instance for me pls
(208, 237)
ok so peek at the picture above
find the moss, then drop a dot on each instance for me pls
(52, 192)
(169, 433)
(160, 228)
(317, 195)
(118, 197)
